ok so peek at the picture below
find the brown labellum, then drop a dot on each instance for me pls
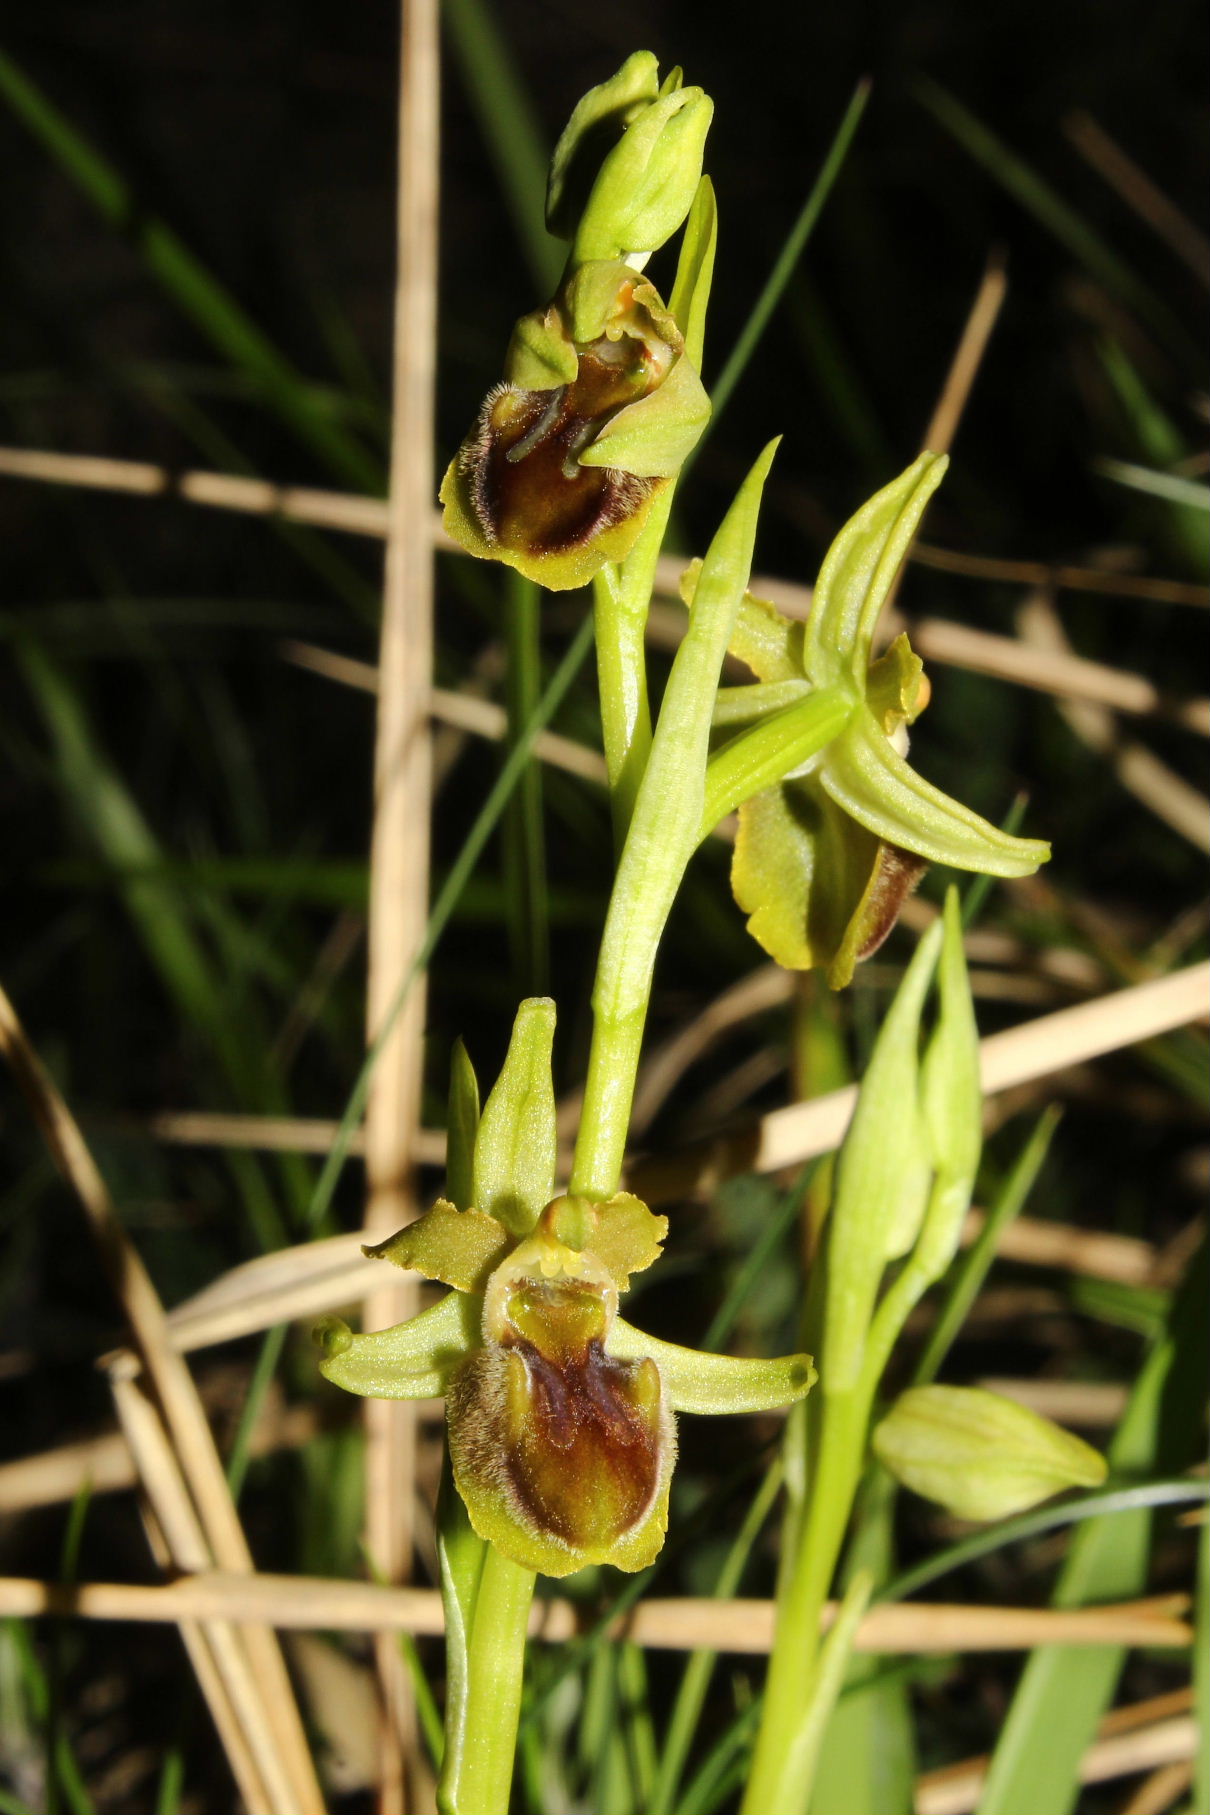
(896, 874)
(561, 1452)
(521, 468)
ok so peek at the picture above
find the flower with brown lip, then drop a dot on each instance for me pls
(561, 1420)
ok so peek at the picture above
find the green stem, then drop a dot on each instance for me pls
(477, 1772)
(782, 1766)
(663, 832)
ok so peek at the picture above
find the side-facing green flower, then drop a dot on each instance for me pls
(825, 858)
(561, 1416)
(600, 403)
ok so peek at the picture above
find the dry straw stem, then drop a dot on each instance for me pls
(105, 1465)
(399, 859)
(1088, 1404)
(937, 639)
(1020, 1055)
(1139, 192)
(1157, 1733)
(464, 711)
(1139, 770)
(176, 1394)
(1034, 1049)
(1157, 1792)
(742, 1627)
(216, 1648)
(968, 357)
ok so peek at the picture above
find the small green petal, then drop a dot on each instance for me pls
(864, 775)
(622, 1234)
(412, 1360)
(696, 1381)
(458, 1247)
(896, 690)
(768, 642)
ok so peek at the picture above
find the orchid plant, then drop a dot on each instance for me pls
(560, 1414)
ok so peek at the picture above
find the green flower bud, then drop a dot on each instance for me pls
(599, 408)
(627, 165)
(979, 1455)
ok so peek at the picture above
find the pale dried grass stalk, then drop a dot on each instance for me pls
(399, 859)
(1167, 794)
(177, 1396)
(217, 1649)
(742, 1627)
(1034, 1049)
(1143, 1737)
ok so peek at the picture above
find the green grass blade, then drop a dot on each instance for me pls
(1036, 1762)
(758, 1258)
(510, 126)
(787, 259)
(1107, 1503)
(185, 279)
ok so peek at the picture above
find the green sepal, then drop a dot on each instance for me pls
(458, 1247)
(598, 119)
(979, 1455)
(695, 272)
(882, 1177)
(517, 1143)
(653, 436)
(866, 776)
(696, 1381)
(412, 1360)
(859, 570)
(541, 354)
